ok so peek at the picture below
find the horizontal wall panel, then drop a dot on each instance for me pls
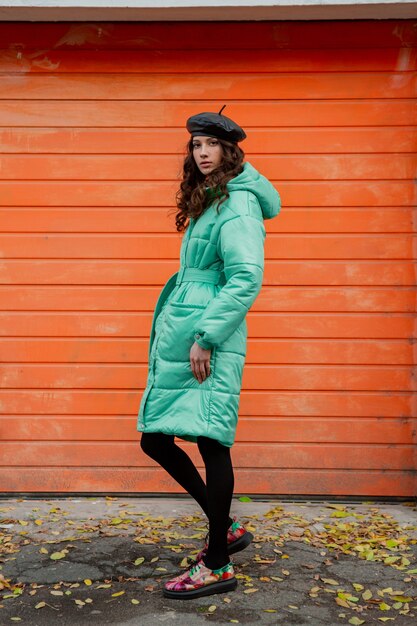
(149, 480)
(275, 351)
(127, 324)
(208, 61)
(257, 86)
(121, 167)
(361, 430)
(104, 193)
(131, 272)
(261, 377)
(367, 34)
(50, 123)
(132, 298)
(155, 219)
(253, 403)
(150, 246)
(264, 456)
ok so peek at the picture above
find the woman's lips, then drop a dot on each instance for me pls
(205, 163)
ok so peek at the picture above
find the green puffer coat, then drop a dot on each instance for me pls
(206, 301)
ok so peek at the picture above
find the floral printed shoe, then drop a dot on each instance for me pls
(238, 538)
(200, 580)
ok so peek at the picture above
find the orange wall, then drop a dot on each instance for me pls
(91, 139)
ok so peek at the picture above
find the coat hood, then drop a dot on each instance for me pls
(251, 180)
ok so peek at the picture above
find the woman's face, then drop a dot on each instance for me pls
(207, 153)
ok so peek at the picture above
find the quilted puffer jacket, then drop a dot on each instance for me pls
(206, 301)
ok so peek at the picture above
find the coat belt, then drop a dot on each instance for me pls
(187, 274)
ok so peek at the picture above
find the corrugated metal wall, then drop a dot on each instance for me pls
(92, 135)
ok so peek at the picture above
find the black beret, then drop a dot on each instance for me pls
(215, 125)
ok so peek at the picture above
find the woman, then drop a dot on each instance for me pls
(197, 346)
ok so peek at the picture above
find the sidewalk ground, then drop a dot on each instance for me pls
(81, 561)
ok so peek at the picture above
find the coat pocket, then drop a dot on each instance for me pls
(177, 331)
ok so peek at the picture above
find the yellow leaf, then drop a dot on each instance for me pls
(355, 621)
(384, 606)
(79, 602)
(58, 555)
(329, 581)
(55, 592)
(155, 558)
(116, 520)
(367, 595)
(38, 522)
(386, 619)
(139, 560)
(402, 598)
(270, 610)
(88, 600)
(343, 603)
(134, 601)
(357, 586)
(212, 608)
(43, 551)
(105, 586)
(286, 572)
(118, 593)
(88, 582)
(40, 605)
(252, 590)
(16, 619)
(23, 522)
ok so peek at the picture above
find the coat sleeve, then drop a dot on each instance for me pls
(241, 247)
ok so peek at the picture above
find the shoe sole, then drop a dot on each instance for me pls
(236, 546)
(241, 543)
(208, 590)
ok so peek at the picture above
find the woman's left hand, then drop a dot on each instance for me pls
(200, 362)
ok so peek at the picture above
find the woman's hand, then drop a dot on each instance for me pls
(200, 362)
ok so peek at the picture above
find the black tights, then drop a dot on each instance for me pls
(214, 498)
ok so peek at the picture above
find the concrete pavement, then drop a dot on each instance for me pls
(98, 560)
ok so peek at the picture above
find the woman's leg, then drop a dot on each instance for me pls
(162, 449)
(220, 484)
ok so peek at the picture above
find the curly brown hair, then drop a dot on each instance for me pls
(192, 197)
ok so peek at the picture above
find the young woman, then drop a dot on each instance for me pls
(198, 338)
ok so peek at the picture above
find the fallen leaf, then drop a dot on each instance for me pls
(118, 593)
(58, 555)
(139, 560)
(212, 608)
(134, 601)
(40, 605)
(329, 581)
(355, 621)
